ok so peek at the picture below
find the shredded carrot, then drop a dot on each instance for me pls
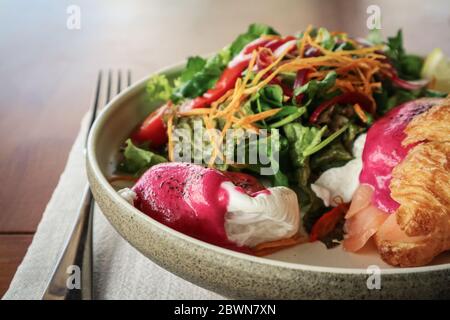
(371, 72)
(268, 68)
(303, 41)
(355, 70)
(235, 97)
(239, 88)
(337, 33)
(366, 84)
(345, 85)
(258, 117)
(269, 36)
(194, 112)
(215, 104)
(359, 111)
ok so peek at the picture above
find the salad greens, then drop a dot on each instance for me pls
(201, 74)
(254, 31)
(302, 140)
(137, 160)
(408, 66)
(318, 109)
(391, 96)
(317, 89)
(159, 89)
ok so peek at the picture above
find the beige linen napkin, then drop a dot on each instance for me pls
(120, 271)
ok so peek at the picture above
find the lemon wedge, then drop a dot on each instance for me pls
(437, 66)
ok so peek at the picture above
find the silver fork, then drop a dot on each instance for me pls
(72, 277)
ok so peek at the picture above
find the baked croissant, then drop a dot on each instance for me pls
(419, 228)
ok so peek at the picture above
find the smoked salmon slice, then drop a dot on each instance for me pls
(362, 220)
(360, 200)
(362, 226)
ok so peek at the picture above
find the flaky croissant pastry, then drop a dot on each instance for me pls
(419, 228)
(421, 185)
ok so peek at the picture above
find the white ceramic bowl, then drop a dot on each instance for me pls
(307, 271)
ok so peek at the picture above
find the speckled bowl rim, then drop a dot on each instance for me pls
(116, 103)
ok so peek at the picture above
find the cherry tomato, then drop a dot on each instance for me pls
(153, 129)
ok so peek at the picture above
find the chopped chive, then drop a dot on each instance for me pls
(326, 141)
(286, 111)
(289, 118)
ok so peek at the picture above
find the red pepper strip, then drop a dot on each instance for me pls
(255, 44)
(287, 91)
(300, 79)
(246, 53)
(230, 74)
(264, 59)
(153, 129)
(225, 83)
(276, 43)
(351, 97)
(290, 45)
(327, 222)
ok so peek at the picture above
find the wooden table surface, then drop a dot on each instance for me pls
(47, 72)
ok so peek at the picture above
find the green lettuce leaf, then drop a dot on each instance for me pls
(137, 160)
(305, 141)
(311, 149)
(301, 139)
(254, 31)
(312, 207)
(279, 179)
(326, 40)
(315, 88)
(391, 96)
(375, 37)
(158, 89)
(201, 75)
(194, 65)
(408, 66)
(289, 113)
(334, 155)
(272, 94)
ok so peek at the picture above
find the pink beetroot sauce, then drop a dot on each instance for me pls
(383, 150)
(189, 199)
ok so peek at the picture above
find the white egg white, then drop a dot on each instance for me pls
(341, 182)
(270, 215)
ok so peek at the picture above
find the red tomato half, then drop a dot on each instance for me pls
(153, 129)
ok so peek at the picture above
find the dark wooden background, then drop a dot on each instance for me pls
(47, 72)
